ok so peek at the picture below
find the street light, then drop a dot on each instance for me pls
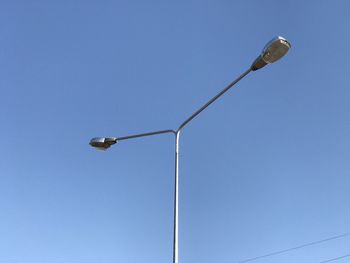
(103, 143)
(273, 51)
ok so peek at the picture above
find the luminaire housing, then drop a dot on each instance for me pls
(274, 50)
(103, 143)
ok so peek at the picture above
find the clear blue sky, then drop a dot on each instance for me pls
(266, 168)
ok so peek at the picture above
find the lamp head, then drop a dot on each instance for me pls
(273, 51)
(102, 143)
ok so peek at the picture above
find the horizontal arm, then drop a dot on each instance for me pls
(145, 134)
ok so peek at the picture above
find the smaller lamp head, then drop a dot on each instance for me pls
(102, 143)
(273, 51)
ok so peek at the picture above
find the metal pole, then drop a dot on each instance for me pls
(176, 200)
(177, 141)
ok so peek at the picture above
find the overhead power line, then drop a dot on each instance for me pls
(295, 248)
(334, 259)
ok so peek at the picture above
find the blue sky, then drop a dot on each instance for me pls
(265, 168)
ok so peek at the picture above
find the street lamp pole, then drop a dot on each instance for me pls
(273, 51)
(176, 200)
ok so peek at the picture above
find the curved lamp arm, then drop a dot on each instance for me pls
(213, 99)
